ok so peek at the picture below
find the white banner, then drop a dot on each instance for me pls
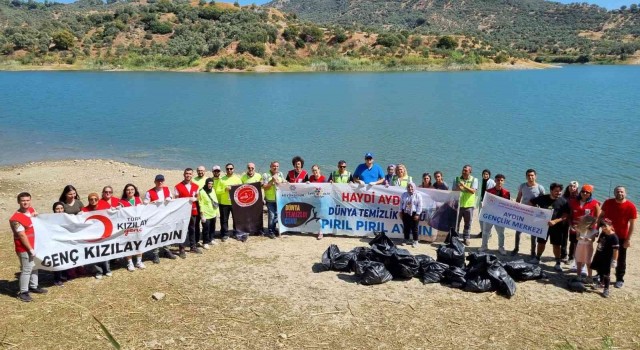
(64, 241)
(520, 217)
(360, 210)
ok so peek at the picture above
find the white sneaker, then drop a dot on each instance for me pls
(108, 274)
(130, 266)
(482, 249)
(98, 276)
(140, 265)
(414, 244)
(213, 242)
(205, 246)
(573, 267)
(502, 251)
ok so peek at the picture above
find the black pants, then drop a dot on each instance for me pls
(225, 213)
(208, 230)
(410, 226)
(622, 261)
(533, 243)
(190, 239)
(604, 277)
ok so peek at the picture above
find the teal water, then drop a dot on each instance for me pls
(577, 122)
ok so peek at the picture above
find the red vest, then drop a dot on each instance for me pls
(112, 203)
(136, 200)
(25, 221)
(153, 195)
(183, 193)
(292, 178)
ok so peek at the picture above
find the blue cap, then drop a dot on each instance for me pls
(368, 155)
(159, 178)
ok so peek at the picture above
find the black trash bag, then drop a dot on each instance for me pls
(343, 262)
(522, 271)
(329, 255)
(478, 284)
(382, 241)
(501, 280)
(432, 271)
(373, 273)
(576, 285)
(452, 252)
(477, 257)
(362, 253)
(454, 276)
(403, 265)
(422, 257)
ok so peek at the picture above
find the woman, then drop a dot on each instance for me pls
(402, 177)
(426, 181)
(208, 212)
(59, 276)
(391, 172)
(297, 175)
(101, 267)
(70, 200)
(130, 198)
(317, 176)
(582, 205)
(108, 201)
(571, 191)
(487, 183)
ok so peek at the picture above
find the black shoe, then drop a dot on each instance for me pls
(169, 254)
(156, 259)
(182, 254)
(271, 235)
(38, 290)
(514, 252)
(224, 238)
(24, 296)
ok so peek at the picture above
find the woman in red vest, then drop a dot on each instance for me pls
(130, 198)
(102, 268)
(108, 201)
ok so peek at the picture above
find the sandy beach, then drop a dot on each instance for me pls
(264, 293)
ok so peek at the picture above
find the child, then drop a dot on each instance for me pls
(59, 276)
(587, 234)
(606, 256)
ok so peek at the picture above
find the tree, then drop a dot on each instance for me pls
(633, 8)
(236, 4)
(63, 39)
(447, 42)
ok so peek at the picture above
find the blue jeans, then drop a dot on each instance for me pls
(272, 217)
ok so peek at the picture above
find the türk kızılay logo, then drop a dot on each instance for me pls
(246, 195)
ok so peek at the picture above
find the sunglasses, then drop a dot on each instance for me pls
(585, 192)
(107, 191)
(229, 168)
(342, 166)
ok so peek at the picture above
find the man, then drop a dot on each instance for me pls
(188, 189)
(467, 185)
(368, 172)
(341, 176)
(24, 241)
(497, 190)
(159, 193)
(108, 201)
(391, 172)
(411, 207)
(557, 225)
(487, 183)
(526, 192)
(222, 190)
(270, 181)
(439, 184)
(251, 176)
(201, 178)
(623, 214)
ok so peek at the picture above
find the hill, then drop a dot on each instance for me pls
(535, 27)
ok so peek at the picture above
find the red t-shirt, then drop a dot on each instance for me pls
(620, 214)
(312, 178)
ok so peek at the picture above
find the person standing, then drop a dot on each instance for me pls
(411, 207)
(316, 174)
(557, 225)
(623, 214)
(222, 190)
(297, 174)
(208, 212)
(108, 201)
(71, 200)
(607, 254)
(159, 193)
(391, 173)
(497, 190)
(571, 191)
(188, 189)
(487, 183)
(24, 241)
(368, 173)
(526, 192)
(402, 177)
(581, 205)
(467, 185)
(251, 175)
(130, 198)
(426, 181)
(439, 183)
(270, 181)
(102, 268)
(341, 176)
(200, 177)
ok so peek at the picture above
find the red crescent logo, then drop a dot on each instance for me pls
(108, 227)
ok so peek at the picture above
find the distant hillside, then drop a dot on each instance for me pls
(531, 26)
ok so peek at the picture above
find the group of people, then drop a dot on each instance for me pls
(210, 199)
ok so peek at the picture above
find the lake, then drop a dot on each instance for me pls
(573, 123)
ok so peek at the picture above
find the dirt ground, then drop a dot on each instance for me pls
(265, 294)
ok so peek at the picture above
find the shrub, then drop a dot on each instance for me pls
(448, 43)
(160, 27)
(63, 39)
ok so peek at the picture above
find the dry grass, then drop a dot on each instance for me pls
(264, 294)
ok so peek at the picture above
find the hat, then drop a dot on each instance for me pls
(368, 155)
(159, 177)
(391, 166)
(574, 183)
(588, 188)
(215, 167)
(606, 222)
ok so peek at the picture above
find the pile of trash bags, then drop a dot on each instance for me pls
(383, 261)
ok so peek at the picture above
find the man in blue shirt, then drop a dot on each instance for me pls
(368, 172)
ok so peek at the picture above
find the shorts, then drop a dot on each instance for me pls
(542, 240)
(558, 237)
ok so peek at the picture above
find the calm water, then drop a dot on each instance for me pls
(572, 123)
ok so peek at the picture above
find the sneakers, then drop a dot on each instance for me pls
(58, 283)
(130, 266)
(169, 254)
(414, 244)
(403, 243)
(271, 235)
(224, 238)
(205, 246)
(196, 250)
(156, 259)
(213, 242)
(98, 276)
(534, 261)
(619, 284)
(557, 267)
(482, 249)
(605, 293)
(38, 290)
(24, 296)
(573, 267)
(319, 236)
(502, 251)
(514, 252)
(108, 274)
(182, 254)
(140, 265)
